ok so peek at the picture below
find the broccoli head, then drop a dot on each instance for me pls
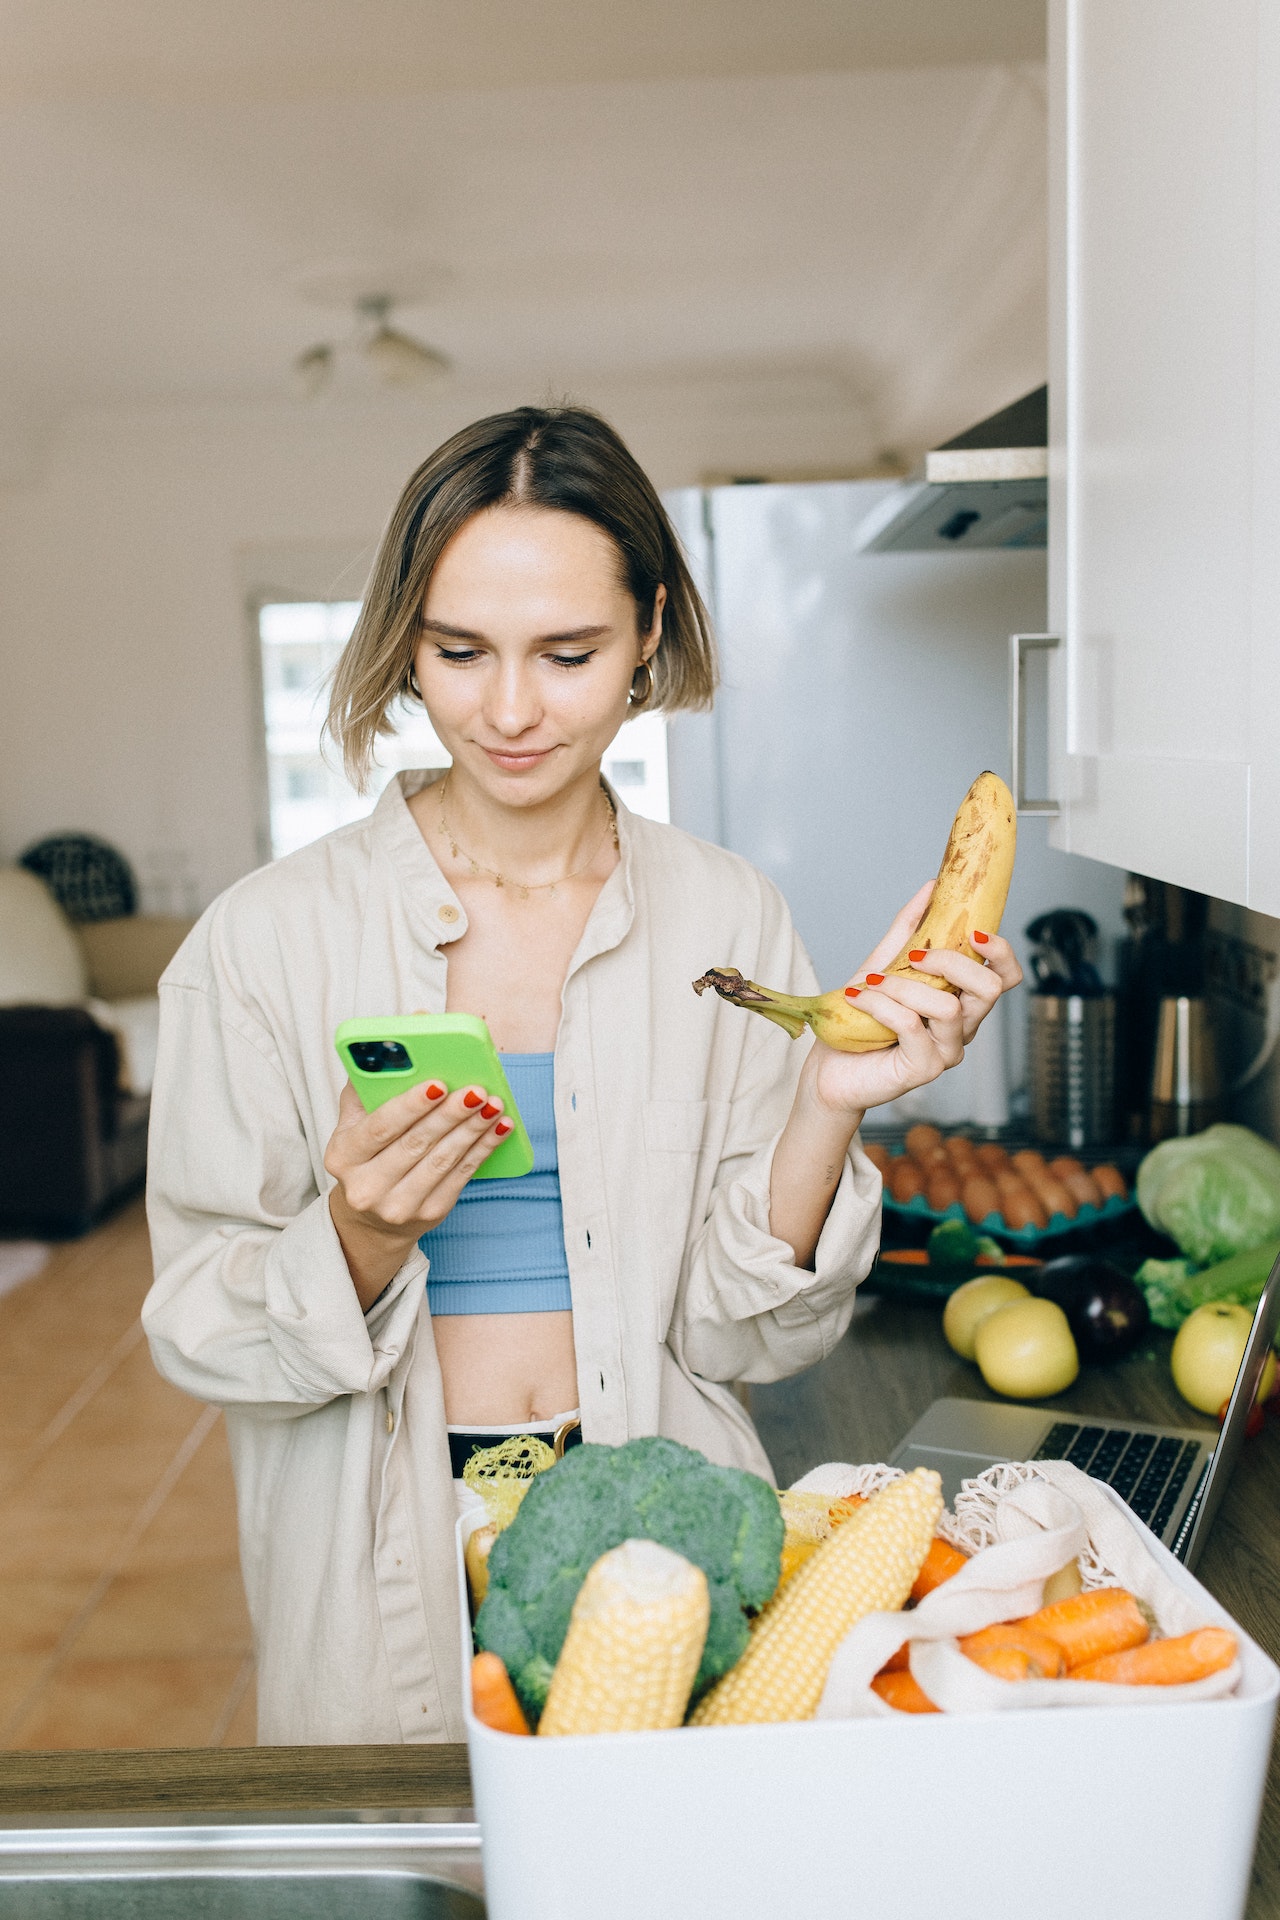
(725, 1521)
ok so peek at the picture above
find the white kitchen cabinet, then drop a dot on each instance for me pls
(1164, 576)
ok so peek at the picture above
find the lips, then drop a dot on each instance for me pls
(516, 762)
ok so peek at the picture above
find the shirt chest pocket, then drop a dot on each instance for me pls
(682, 1148)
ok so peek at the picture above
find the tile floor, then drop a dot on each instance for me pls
(122, 1616)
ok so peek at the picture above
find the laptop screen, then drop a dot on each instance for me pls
(1266, 1318)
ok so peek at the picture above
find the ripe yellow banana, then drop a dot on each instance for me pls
(971, 890)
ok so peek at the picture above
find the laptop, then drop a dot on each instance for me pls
(1172, 1477)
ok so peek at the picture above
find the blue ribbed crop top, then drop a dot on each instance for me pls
(501, 1247)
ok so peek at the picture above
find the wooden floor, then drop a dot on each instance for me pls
(122, 1615)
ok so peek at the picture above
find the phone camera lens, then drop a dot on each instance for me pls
(380, 1056)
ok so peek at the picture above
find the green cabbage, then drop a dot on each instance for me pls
(1215, 1194)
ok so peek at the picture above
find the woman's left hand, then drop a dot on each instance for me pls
(933, 1027)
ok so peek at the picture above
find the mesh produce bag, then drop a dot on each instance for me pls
(1021, 1522)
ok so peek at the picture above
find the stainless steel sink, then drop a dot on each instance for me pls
(362, 1871)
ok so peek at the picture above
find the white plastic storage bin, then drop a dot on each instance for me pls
(1125, 1813)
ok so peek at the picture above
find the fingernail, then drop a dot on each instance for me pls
(917, 953)
(435, 1091)
(981, 939)
(472, 1099)
(503, 1128)
(488, 1110)
(851, 993)
(874, 979)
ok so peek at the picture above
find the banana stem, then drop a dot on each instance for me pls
(787, 1010)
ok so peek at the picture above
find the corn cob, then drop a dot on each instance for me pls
(866, 1566)
(634, 1643)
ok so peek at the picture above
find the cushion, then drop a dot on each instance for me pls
(135, 1022)
(41, 960)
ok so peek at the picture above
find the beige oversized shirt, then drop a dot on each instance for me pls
(667, 1109)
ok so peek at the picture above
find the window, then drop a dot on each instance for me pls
(308, 792)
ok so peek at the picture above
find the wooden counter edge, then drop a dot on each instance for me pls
(224, 1779)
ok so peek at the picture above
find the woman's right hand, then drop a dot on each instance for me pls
(399, 1171)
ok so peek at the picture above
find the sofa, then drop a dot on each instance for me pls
(78, 1024)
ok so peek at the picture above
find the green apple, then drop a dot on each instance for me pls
(970, 1304)
(1207, 1354)
(1025, 1350)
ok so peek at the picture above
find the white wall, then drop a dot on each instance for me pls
(127, 693)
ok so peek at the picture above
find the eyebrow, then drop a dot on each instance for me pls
(544, 639)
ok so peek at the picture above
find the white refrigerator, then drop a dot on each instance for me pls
(862, 692)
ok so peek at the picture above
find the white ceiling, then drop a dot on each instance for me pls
(841, 192)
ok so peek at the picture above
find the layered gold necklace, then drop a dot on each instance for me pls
(523, 888)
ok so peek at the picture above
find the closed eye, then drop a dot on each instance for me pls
(570, 659)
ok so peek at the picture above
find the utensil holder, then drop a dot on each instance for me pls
(1072, 1069)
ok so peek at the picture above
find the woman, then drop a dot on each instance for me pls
(700, 1212)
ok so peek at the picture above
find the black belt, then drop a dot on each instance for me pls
(463, 1445)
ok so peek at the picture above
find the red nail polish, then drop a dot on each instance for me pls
(851, 993)
(503, 1128)
(435, 1091)
(875, 979)
(488, 1111)
(917, 953)
(472, 1099)
(981, 939)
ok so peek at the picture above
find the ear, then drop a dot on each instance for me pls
(649, 645)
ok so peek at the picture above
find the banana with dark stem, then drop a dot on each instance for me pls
(970, 893)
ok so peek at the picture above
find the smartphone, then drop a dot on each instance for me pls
(389, 1054)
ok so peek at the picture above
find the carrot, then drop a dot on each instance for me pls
(493, 1698)
(897, 1662)
(1087, 1626)
(1164, 1663)
(1014, 1651)
(906, 1257)
(940, 1563)
(903, 1691)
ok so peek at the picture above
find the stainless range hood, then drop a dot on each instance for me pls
(986, 488)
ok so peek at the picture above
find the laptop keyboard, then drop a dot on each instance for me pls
(1148, 1473)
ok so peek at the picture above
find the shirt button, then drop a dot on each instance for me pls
(448, 914)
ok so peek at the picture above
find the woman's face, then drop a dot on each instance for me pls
(528, 649)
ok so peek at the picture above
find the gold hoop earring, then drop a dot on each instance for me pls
(635, 699)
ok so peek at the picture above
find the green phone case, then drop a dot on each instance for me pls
(453, 1047)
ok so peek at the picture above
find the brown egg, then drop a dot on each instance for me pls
(1019, 1205)
(961, 1153)
(878, 1154)
(942, 1189)
(1109, 1180)
(920, 1138)
(1027, 1161)
(1052, 1194)
(1082, 1187)
(1065, 1164)
(991, 1156)
(979, 1197)
(906, 1179)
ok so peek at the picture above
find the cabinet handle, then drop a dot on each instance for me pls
(1021, 644)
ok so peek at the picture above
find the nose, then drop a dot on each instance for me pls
(512, 705)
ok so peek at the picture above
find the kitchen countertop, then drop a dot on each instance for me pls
(855, 1405)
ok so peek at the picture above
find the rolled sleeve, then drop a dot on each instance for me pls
(253, 1302)
(748, 1312)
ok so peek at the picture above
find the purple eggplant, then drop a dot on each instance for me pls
(1107, 1312)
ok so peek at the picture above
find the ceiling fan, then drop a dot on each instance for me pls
(394, 358)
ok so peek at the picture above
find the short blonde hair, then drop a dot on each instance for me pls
(562, 457)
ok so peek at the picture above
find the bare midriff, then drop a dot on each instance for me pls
(502, 1367)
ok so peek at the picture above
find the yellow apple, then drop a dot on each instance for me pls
(1025, 1350)
(1207, 1354)
(970, 1304)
